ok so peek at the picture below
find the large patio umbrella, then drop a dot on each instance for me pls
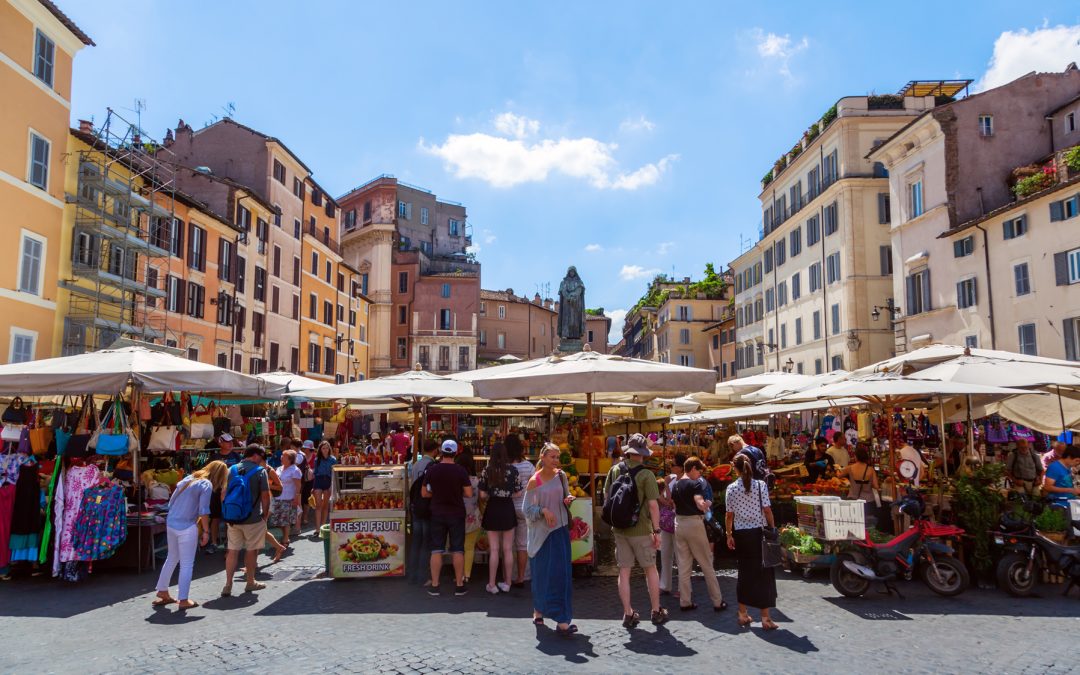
(785, 387)
(590, 373)
(291, 382)
(734, 392)
(934, 354)
(111, 371)
(416, 388)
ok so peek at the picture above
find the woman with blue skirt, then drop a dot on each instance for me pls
(545, 504)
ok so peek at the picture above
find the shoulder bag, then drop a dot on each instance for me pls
(771, 555)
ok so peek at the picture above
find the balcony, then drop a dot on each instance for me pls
(323, 238)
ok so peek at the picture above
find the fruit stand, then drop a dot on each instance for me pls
(367, 522)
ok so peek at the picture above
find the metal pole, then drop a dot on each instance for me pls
(588, 449)
(1061, 409)
(970, 432)
(941, 430)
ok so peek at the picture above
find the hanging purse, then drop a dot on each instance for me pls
(78, 443)
(15, 413)
(164, 439)
(771, 554)
(112, 437)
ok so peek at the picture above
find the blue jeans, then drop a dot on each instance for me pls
(418, 567)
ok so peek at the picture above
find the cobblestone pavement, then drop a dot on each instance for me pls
(305, 623)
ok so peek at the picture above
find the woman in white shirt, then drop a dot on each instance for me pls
(286, 505)
(748, 511)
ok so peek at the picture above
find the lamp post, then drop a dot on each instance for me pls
(789, 365)
(892, 309)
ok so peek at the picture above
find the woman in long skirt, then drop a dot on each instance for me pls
(545, 506)
(749, 510)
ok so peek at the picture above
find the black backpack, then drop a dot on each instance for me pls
(420, 505)
(621, 504)
(760, 465)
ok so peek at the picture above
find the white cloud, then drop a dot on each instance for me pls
(505, 162)
(640, 124)
(632, 272)
(1016, 53)
(665, 247)
(488, 236)
(618, 317)
(509, 124)
(778, 50)
(593, 248)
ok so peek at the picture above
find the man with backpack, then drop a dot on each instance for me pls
(758, 463)
(632, 510)
(245, 507)
(419, 564)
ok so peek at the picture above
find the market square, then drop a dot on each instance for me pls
(269, 398)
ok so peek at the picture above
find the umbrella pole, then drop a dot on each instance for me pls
(970, 431)
(416, 428)
(1061, 409)
(941, 431)
(892, 451)
(588, 446)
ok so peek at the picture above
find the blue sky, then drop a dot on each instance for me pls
(625, 138)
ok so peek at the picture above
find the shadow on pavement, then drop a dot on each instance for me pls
(170, 616)
(785, 638)
(577, 649)
(659, 642)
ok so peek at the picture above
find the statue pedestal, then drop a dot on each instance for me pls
(570, 346)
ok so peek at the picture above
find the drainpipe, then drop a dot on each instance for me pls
(824, 293)
(989, 285)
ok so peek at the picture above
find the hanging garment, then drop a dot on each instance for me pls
(26, 516)
(77, 479)
(866, 431)
(7, 505)
(102, 523)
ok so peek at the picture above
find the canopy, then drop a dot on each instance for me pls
(880, 387)
(413, 386)
(291, 383)
(758, 411)
(1002, 373)
(586, 372)
(110, 371)
(939, 353)
(784, 388)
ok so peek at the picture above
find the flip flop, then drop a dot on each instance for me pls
(538, 621)
(721, 607)
(745, 623)
(566, 632)
(769, 626)
(161, 602)
(182, 608)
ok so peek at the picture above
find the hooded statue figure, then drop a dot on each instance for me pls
(571, 306)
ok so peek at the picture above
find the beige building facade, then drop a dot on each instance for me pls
(749, 313)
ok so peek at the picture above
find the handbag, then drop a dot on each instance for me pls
(771, 554)
(12, 433)
(202, 414)
(40, 438)
(203, 430)
(164, 439)
(24, 442)
(112, 437)
(15, 413)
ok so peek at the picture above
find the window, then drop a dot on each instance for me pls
(316, 196)
(769, 300)
(402, 348)
(986, 125)
(835, 310)
(813, 231)
(22, 346)
(971, 341)
(783, 336)
(1022, 279)
(423, 215)
(403, 282)
(363, 283)
(684, 336)
(455, 227)
(963, 247)
(832, 267)
(296, 270)
(884, 209)
(464, 360)
(1026, 335)
(176, 238)
(915, 199)
(225, 259)
(314, 357)
(446, 290)
(116, 260)
(813, 183)
(328, 312)
(260, 284)
(796, 287)
(151, 282)
(817, 325)
(275, 299)
(768, 260)
(196, 247)
(965, 294)
(313, 306)
(30, 265)
(329, 210)
(174, 293)
(445, 319)
(296, 227)
(243, 221)
(781, 294)
(315, 263)
(831, 222)
(1071, 328)
(830, 169)
(298, 188)
(798, 331)
(482, 337)
(781, 252)
(44, 57)
(329, 272)
(225, 310)
(341, 284)
(39, 161)
(329, 362)
(1061, 210)
(815, 277)
(502, 311)
(402, 315)
(796, 241)
(817, 366)
(1067, 267)
(918, 292)
(686, 360)
(837, 362)
(885, 253)
(500, 340)
(1070, 123)
(295, 307)
(404, 210)
(716, 342)
(196, 300)
(1014, 227)
(279, 172)
(350, 219)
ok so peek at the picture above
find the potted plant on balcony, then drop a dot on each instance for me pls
(1033, 179)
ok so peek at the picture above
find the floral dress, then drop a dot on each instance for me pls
(500, 514)
(77, 480)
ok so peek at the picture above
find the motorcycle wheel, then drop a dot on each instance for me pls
(946, 576)
(844, 580)
(1014, 577)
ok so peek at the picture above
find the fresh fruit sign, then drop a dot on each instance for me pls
(581, 531)
(367, 547)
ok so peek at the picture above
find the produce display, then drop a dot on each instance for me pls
(353, 458)
(579, 529)
(794, 539)
(362, 502)
(366, 547)
(575, 489)
(824, 486)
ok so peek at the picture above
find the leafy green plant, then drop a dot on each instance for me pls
(1072, 158)
(1052, 520)
(794, 539)
(767, 178)
(812, 132)
(977, 503)
(1029, 185)
(796, 151)
(599, 311)
(828, 117)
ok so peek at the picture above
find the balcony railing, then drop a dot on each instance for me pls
(323, 237)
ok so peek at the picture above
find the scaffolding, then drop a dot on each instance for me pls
(122, 239)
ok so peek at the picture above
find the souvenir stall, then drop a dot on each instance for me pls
(95, 506)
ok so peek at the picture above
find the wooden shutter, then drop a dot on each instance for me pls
(885, 253)
(909, 287)
(1069, 328)
(1057, 211)
(191, 245)
(1061, 268)
(926, 291)
(221, 270)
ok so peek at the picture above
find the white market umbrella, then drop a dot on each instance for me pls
(508, 358)
(939, 353)
(110, 371)
(734, 392)
(290, 382)
(784, 388)
(758, 411)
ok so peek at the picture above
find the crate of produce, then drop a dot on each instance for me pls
(831, 518)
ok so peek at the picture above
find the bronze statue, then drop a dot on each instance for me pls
(572, 307)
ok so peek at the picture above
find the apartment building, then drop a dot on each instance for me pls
(985, 240)
(410, 249)
(597, 330)
(638, 341)
(680, 327)
(749, 313)
(38, 43)
(720, 335)
(518, 326)
(325, 350)
(825, 240)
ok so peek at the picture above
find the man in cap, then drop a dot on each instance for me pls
(640, 542)
(447, 484)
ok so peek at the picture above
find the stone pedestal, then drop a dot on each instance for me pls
(570, 346)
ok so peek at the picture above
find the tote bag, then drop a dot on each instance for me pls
(771, 555)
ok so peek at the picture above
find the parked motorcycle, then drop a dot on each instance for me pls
(924, 548)
(1027, 554)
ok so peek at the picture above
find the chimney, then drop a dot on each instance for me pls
(168, 138)
(86, 126)
(536, 300)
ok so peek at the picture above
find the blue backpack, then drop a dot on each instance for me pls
(238, 502)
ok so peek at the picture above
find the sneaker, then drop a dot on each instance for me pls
(460, 590)
(210, 549)
(491, 589)
(433, 591)
(504, 587)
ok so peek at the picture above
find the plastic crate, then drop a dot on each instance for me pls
(1074, 514)
(831, 518)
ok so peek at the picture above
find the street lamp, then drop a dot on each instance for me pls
(893, 310)
(789, 365)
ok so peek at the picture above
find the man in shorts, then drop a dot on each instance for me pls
(447, 484)
(249, 535)
(640, 542)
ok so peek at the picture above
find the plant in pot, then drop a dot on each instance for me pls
(1052, 524)
(977, 504)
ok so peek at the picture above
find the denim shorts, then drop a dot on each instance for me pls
(441, 528)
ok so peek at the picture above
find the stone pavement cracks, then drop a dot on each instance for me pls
(302, 623)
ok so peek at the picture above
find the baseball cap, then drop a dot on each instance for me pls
(309, 445)
(226, 437)
(637, 445)
(449, 447)
(375, 434)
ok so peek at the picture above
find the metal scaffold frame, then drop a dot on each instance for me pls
(120, 250)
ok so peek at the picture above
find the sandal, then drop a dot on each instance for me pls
(190, 605)
(769, 626)
(660, 617)
(538, 621)
(161, 602)
(631, 620)
(566, 632)
(721, 607)
(688, 608)
(277, 556)
(744, 623)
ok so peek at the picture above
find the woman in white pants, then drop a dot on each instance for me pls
(187, 527)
